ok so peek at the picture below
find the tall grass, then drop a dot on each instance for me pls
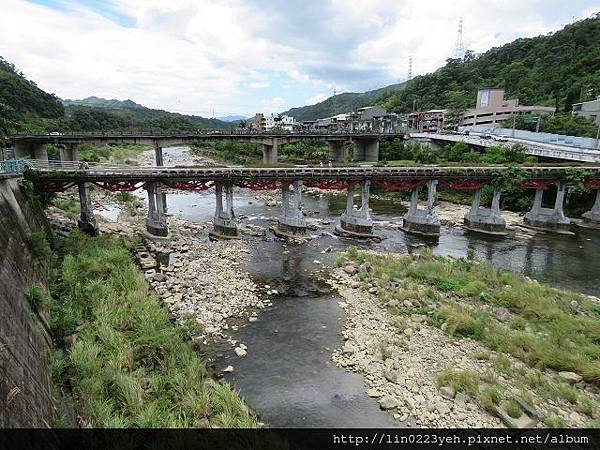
(544, 330)
(129, 365)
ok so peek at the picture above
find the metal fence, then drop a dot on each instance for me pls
(12, 166)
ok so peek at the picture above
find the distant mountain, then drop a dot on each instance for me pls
(100, 113)
(232, 118)
(341, 103)
(23, 97)
(97, 102)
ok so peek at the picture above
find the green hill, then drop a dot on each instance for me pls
(340, 103)
(23, 96)
(557, 69)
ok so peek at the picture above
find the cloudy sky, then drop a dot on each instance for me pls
(244, 56)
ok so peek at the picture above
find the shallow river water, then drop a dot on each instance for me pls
(288, 377)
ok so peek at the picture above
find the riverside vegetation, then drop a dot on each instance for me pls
(119, 357)
(539, 345)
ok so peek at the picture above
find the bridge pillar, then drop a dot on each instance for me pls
(357, 223)
(87, 221)
(366, 150)
(224, 225)
(270, 152)
(549, 219)
(38, 151)
(69, 152)
(337, 151)
(422, 221)
(156, 222)
(484, 220)
(592, 217)
(158, 158)
(291, 222)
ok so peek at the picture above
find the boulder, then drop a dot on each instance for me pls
(350, 270)
(570, 377)
(388, 402)
(447, 392)
(240, 351)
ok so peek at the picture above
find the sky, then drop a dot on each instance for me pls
(224, 57)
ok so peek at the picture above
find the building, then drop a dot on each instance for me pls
(260, 122)
(589, 109)
(492, 109)
(431, 121)
(287, 123)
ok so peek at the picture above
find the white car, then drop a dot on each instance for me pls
(55, 133)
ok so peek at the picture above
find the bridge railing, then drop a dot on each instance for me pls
(12, 166)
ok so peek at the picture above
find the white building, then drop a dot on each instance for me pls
(285, 122)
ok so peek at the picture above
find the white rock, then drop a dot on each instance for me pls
(240, 351)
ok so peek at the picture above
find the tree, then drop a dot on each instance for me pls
(8, 122)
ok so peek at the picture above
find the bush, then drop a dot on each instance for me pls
(555, 421)
(37, 296)
(513, 409)
(39, 244)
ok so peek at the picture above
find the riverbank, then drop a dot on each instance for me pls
(450, 343)
(120, 358)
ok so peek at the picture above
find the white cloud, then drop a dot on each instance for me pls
(195, 55)
(316, 99)
(273, 105)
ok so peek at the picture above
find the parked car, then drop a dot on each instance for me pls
(55, 133)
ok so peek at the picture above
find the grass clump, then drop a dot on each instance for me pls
(513, 409)
(555, 421)
(68, 205)
(466, 381)
(39, 245)
(490, 397)
(132, 203)
(129, 365)
(37, 296)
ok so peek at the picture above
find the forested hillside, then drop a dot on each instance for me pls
(558, 70)
(340, 103)
(26, 108)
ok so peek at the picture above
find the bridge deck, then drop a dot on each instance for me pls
(73, 172)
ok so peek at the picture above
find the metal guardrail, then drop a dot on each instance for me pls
(12, 166)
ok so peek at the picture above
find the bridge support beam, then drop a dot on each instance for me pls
(422, 221)
(224, 225)
(366, 150)
(485, 220)
(357, 223)
(270, 152)
(549, 219)
(592, 217)
(87, 221)
(337, 151)
(291, 222)
(156, 222)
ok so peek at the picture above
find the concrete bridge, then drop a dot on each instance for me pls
(51, 176)
(366, 144)
(539, 149)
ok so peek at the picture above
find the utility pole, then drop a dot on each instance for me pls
(598, 136)
(410, 68)
(537, 124)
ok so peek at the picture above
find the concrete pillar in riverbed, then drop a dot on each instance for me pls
(291, 222)
(366, 149)
(592, 217)
(224, 225)
(158, 159)
(549, 219)
(156, 222)
(422, 221)
(337, 151)
(357, 223)
(270, 152)
(87, 221)
(485, 220)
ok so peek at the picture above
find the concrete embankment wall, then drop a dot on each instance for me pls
(26, 390)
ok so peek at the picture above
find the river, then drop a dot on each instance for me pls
(288, 376)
